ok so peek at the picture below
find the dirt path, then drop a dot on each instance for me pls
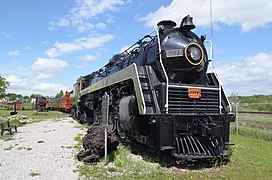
(43, 150)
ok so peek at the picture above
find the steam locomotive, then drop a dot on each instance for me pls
(161, 95)
(40, 103)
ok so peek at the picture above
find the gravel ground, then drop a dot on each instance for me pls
(42, 150)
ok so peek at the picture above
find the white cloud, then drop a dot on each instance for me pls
(248, 76)
(63, 22)
(14, 53)
(49, 88)
(31, 80)
(61, 48)
(47, 67)
(89, 8)
(49, 64)
(88, 58)
(28, 86)
(16, 81)
(84, 15)
(100, 26)
(44, 75)
(249, 14)
(59, 22)
(18, 85)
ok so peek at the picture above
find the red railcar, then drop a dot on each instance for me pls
(19, 105)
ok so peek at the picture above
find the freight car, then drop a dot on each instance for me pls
(162, 95)
(62, 104)
(53, 103)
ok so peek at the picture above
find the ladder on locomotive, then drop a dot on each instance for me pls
(148, 92)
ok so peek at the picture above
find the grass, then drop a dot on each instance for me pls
(255, 126)
(28, 149)
(8, 148)
(34, 115)
(84, 126)
(78, 139)
(33, 174)
(263, 123)
(251, 159)
(6, 137)
(30, 114)
(124, 166)
(254, 133)
(68, 147)
(15, 122)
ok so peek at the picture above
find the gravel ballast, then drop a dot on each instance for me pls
(42, 150)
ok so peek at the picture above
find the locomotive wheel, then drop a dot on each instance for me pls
(120, 130)
(82, 117)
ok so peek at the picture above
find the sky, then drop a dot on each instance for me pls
(47, 45)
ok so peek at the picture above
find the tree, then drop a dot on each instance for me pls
(60, 94)
(12, 96)
(35, 95)
(3, 86)
(26, 98)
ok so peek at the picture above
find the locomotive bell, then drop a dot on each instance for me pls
(187, 23)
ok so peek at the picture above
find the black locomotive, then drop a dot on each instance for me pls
(161, 95)
(40, 103)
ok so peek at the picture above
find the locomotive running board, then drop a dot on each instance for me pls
(127, 73)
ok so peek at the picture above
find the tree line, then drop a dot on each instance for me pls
(4, 84)
(13, 96)
(253, 103)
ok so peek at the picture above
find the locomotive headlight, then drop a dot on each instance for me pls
(194, 54)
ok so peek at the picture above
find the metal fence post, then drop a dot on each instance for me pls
(105, 117)
(236, 117)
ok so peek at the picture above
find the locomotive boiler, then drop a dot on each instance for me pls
(161, 95)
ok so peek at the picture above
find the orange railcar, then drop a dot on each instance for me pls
(65, 103)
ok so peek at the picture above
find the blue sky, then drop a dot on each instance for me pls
(46, 45)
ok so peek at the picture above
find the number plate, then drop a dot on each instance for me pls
(174, 53)
(194, 93)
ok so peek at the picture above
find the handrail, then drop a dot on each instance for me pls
(164, 72)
